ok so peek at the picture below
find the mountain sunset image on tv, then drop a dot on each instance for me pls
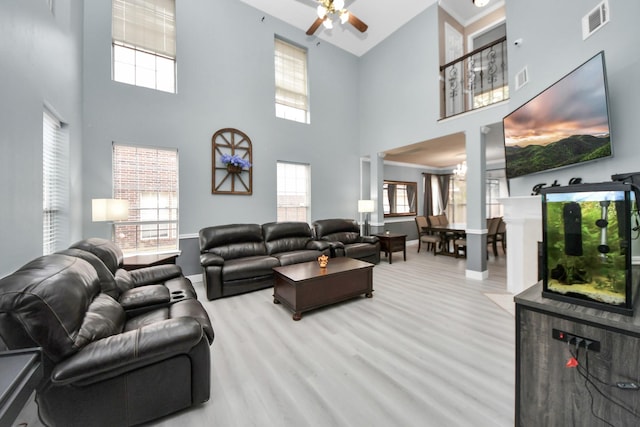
(566, 124)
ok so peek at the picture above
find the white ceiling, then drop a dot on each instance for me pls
(381, 19)
(444, 152)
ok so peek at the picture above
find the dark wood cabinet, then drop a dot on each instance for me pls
(550, 393)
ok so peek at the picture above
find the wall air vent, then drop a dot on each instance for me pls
(595, 19)
(522, 78)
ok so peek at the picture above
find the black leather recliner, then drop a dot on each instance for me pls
(103, 367)
(344, 236)
(138, 290)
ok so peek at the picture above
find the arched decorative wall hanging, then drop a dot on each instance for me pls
(232, 162)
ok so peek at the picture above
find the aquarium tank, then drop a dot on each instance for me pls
(587, 252)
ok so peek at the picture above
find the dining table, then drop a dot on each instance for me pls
(448, 233)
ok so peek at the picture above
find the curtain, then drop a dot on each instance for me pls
(411, 195)
(391, 195)
(428, 199)
(443, 183)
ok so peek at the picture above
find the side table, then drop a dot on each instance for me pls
(140, 261)
(392, 242)
(20, 374)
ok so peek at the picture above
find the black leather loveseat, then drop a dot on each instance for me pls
(103, 366)
(344, 236)
(238, 258)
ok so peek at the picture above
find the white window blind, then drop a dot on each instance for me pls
(144, 43)
(148, 178)
(294, 192)
(54, 183)
(292, 101)
(146, 24)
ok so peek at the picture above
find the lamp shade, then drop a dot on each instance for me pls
(109, 210)
(365, 206)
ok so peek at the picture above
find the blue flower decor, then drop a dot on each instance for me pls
(236, 161)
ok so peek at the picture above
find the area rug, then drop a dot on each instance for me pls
(504, 301)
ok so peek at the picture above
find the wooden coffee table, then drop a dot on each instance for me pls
(306, 286)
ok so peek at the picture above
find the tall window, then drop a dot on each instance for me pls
(457, 205)
(148, 179)
(294, 192)
(55, 183)
(144, 43)
(292, 100)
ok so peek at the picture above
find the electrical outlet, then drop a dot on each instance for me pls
(572, 338)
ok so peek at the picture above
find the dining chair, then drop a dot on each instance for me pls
(425, 236)
(492, 230)
(501, 235)
(460, 245)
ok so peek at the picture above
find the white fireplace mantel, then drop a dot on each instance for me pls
(523, 216)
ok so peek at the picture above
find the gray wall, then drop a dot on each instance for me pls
(398, 89)
(225, 73)
(553, 46)
(41, 64)
(225, 79)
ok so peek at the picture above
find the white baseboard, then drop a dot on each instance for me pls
(477, 275)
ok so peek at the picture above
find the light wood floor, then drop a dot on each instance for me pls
(429, 349)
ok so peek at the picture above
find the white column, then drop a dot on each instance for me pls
(523, 216)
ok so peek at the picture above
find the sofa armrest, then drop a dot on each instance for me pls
(369, 239)
(111, 356)
(209, 260)
(155, 274)
(319, 245)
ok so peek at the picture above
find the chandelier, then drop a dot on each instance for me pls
(461, 169)
(329, 8)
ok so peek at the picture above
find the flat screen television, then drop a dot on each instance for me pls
(564, 125)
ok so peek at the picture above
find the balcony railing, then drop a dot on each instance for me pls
(475, 80)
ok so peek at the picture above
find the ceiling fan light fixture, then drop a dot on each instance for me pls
(322, 11)
(328, 24)
(338, 4)
(344, 16)
(481, 3)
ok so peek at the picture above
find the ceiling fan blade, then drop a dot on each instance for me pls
(361, 26)
(312, 29)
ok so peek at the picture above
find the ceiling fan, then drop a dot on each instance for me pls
(327, 9)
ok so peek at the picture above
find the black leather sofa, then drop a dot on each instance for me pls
(103, 365)
(239, 258)
(344, 236)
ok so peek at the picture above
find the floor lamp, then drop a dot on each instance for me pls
(365, 207)
(109, 210)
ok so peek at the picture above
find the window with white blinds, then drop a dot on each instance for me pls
(144, 43)
(55, 184)
(294, 192)
(292, 100)
(148, 178)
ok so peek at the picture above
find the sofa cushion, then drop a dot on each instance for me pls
(337, 230)
(249, 267)
(44, 303)
(146, 318)
(360, 250)
(232, 241)
(108, 282)
(105, 317)
(286, 236)
(110, 253)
